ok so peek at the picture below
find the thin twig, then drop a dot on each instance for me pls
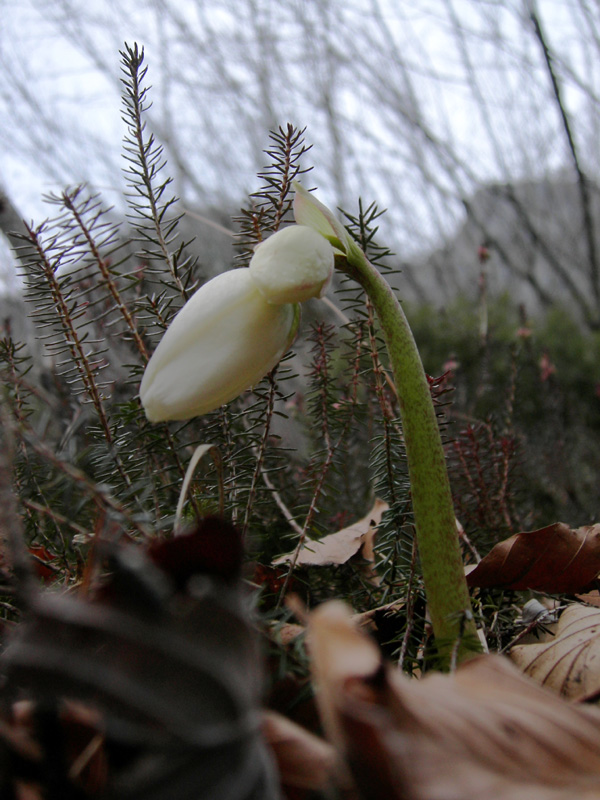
(91, 488)
(261, 450)
(102, 264)
(332, 447)
(582, 181)
(289, 517)
(410, 607)
(146, 149)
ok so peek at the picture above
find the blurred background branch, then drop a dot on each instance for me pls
(443, 111)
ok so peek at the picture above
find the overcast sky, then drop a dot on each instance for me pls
(223, 72)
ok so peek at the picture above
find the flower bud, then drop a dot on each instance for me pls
(292, 265)
(222, 342)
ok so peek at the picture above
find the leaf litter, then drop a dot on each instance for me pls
(569, 663)
(354, 541)
(556, 559)
(109, 663)
(484, 731)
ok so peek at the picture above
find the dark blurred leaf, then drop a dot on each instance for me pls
(213, 547)
(176, 678)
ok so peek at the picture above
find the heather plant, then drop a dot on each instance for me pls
(529, 395)
(102, 295)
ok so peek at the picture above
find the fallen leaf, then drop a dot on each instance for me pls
(337, 652)
(340, 547)
(287, 633)
(556, 559)
(305, 761)
(484, 731)
(42, 563)
(591, 598)
(569, 664)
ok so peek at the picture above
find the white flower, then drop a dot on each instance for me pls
(293, 265)
(222, 342)
(236, 327)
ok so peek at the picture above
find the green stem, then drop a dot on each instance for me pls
(441, 561)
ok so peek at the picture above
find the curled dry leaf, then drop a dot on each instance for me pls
(555, 559)
(591, 598)
(485, 731)
(287, 633)
(569, 664)
(304, 760)
(340, 547)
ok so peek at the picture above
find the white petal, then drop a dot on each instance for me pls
(311, 212)
(293, 265)
(223, 341)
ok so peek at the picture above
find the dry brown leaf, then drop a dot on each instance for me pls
(591, 598)
(304, 760)
(340, 547)
(337, 652)
(287, 633)
(555, 559)
(485, 731)
(569, 664)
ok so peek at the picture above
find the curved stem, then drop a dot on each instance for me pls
(441, 561)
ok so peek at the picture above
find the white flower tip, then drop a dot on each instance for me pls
(311, 212)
